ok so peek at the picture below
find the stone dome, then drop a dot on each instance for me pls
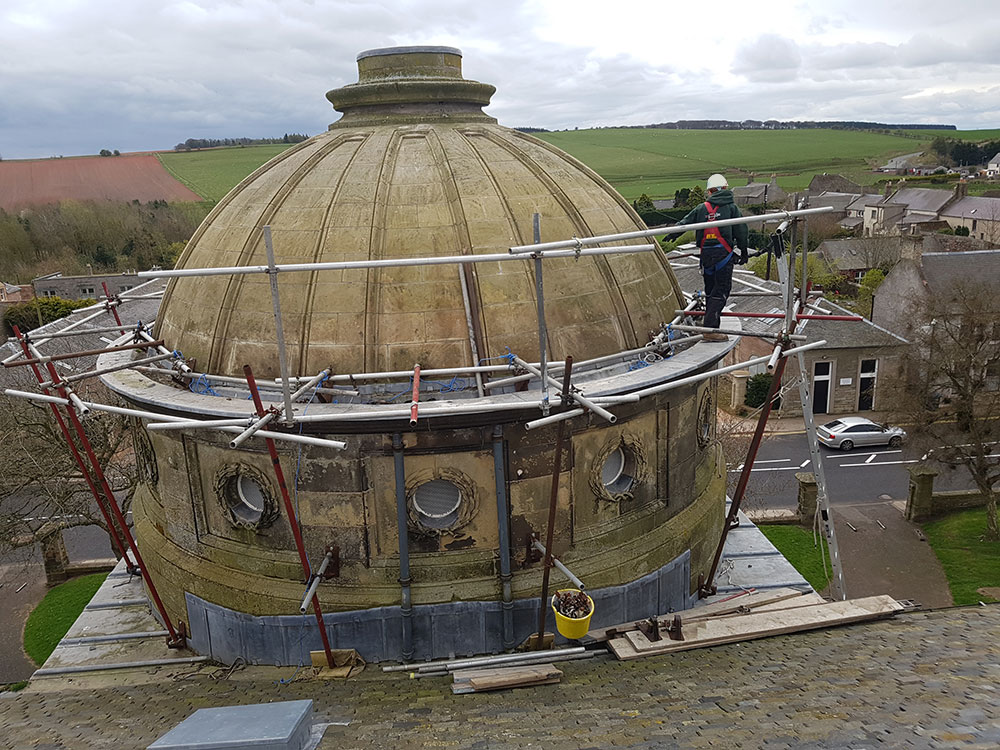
(413, 168)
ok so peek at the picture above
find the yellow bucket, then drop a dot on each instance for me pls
(572, 627)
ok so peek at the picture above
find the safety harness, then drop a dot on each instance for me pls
(714, 234)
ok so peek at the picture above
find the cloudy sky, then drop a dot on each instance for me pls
(77, 76)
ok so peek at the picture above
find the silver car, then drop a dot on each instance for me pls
(847, 432)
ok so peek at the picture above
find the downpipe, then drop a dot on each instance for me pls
(503, 534)
(406, 604)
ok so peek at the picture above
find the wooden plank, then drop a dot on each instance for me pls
(464, 688)
(481, 680)
(760, 625)
(527, 670)
(751, 600)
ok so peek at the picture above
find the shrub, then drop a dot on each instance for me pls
(25, 315)
(757, 389)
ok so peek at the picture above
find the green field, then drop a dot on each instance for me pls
(658, 162)
(212, 173)
(646, 160)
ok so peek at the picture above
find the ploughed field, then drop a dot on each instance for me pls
(123, 178)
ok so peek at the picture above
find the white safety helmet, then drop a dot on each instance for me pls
(716, 182)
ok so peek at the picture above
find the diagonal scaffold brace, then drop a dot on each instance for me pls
(290, 512)
(116, 540)
(706, 586)
(177, 637)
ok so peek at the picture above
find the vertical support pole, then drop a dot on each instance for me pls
(116, 539)
(463, 272)
(823, 511)
(272, 275)
(543, 334)
(290, 512)
(553, 495)
(406, 605)
(503, 537)
(823, 515)
(804, 276)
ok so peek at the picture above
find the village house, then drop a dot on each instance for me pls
(908, 210)
(855, 371)
(855, 256)
(981, 216)
(903, 295)
(83, 287)
(758, 193)
(993, 167)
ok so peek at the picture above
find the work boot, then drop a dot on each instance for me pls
(715, 337)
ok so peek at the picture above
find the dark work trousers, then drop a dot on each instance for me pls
(718, 281)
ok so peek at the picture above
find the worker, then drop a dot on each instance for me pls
(718, 247)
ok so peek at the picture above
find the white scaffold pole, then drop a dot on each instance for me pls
(289, 437)
(579, 242)
(391, 262)
(272, 274)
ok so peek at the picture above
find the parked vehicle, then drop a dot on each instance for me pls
(847, 432)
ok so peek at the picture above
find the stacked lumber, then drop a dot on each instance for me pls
(766, 620)
(498, 678)
(741, 603)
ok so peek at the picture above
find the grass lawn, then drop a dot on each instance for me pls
(214, 172)
(796, 544)
(968, 560)
(54, 615)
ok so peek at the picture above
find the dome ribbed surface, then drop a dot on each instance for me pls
(380, 185)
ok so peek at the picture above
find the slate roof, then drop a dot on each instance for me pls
(839, 201)
(838, 334)
(130, 311)
(941, 271)
(868, 199)
(974, 207)
(918, 680)
(921, 199)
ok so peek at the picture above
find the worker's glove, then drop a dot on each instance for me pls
(744, 257)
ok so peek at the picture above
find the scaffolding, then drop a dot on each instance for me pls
(358, 406)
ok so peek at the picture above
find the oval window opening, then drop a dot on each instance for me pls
(248, 505)
(437, 503)
(618, 471)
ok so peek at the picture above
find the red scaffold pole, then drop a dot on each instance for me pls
(290, 512)
(119, 546)
(415, 398)
(113, 309)
(175, 640)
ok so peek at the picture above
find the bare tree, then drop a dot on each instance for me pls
(952, 391)
(42, 490)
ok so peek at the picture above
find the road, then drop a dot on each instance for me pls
(857, 476)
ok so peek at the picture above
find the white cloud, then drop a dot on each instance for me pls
(80, 75)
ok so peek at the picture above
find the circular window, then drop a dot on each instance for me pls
(246, 496)
(618, 471)
(250, 495)
(437, 503)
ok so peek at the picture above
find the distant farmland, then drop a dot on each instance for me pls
(635, 161)
(212, 173)
(658, 162)
(126, 178)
